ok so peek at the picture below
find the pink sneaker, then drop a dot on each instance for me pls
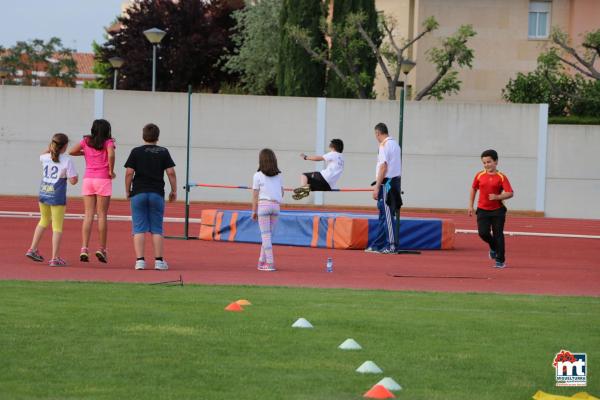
(57, 262)
(267, 267)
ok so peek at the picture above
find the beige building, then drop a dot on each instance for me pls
(510, 36)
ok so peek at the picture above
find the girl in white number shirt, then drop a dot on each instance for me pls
(57, 168)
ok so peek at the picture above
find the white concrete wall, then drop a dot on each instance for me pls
(128, 112)
(442, 142)
(573, 177)
(229, 131)
(29, 116)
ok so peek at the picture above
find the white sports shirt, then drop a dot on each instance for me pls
(334, 166)
(389, 152)
(269, 187)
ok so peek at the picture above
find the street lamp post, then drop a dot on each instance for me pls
(405, 67)
(154, 36)
(116, 63)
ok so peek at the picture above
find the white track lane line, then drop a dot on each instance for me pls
(542, 234)
(28, 214)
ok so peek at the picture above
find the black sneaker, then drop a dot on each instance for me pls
(492, 255)
(301, 189)
(84, 255)
(34, 255)
(301, 192)
(102, 256)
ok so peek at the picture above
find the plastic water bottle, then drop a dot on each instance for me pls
(329, 265)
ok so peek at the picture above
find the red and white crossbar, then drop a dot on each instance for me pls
(210, 185)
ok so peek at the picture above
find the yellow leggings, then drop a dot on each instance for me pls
(54, 214)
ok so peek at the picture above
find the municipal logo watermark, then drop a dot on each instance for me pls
(571, 368)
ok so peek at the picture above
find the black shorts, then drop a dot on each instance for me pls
(316, 182)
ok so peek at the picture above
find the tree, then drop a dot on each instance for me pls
(256, 37)
(563, 59)
(198, 35)
(101, 68)
(582, 60)
(36, 62)
(347, 71)
(535, 88)
(566, 78)
(453, 52)
(587, 101)
(349, 52)
(391, 55)
(297, 74)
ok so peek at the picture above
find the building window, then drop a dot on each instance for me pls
(539, 19)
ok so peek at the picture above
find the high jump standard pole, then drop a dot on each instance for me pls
(405, 67)
(186, 222)
(187, 165)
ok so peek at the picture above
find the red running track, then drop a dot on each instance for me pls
(536, 265)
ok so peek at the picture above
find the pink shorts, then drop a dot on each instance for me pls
(97, 186)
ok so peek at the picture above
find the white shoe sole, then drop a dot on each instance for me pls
(141, 266)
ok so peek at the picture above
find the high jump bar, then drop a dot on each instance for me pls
(208, 185)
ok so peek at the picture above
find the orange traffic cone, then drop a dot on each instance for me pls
(379, 392)
(234, 307)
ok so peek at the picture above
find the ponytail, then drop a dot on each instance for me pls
(59, 141)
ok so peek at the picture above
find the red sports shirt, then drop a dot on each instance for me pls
(488, 184)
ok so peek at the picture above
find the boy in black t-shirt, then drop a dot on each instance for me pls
(145, 187)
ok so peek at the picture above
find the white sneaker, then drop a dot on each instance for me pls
(161, 265)
(140, 264)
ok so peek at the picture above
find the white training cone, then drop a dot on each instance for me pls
(350, 344)
(390, 384)
(369, 367)
(302, 323)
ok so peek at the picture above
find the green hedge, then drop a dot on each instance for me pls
(574, 120)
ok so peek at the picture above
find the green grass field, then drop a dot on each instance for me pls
(124, 341)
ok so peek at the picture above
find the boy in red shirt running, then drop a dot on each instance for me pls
(493, 187)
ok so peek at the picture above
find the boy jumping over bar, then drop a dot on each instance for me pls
(325, 180)
(493, 187)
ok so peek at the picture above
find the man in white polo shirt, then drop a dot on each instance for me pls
(386, 190)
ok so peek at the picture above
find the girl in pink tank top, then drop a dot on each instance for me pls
(98, 149)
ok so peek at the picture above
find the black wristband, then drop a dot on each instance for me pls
(305, 157)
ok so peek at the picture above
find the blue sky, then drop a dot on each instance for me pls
(76, 22)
